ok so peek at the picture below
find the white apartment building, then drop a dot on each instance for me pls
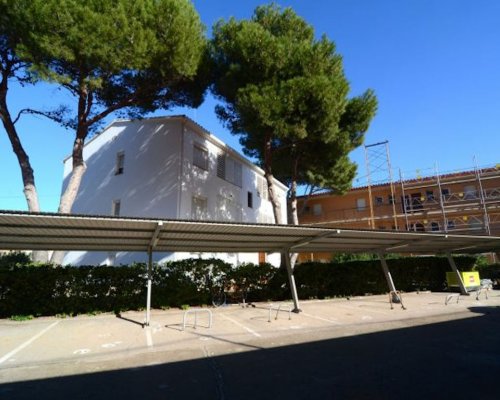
(172, 168)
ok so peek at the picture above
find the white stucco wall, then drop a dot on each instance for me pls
(159, 180)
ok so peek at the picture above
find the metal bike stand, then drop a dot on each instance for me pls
(195, 311)
(396, 294)
(278, 309)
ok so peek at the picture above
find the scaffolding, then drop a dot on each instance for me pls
(378, 162)
(463, 201)
(464, 210)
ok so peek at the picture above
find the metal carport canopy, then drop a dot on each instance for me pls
(46, 231)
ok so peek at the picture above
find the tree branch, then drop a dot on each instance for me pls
(47, 114)
(121, 104)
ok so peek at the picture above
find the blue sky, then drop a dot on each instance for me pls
(434, 66)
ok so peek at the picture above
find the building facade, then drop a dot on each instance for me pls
(172, 168)
(466, 202)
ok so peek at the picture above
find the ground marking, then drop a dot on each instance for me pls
(27, 343)
(149, 338)
(321, 318)
(242, 326)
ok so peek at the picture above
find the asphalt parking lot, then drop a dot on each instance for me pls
(334, 349)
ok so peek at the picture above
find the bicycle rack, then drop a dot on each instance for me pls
(195, 311)
(450, 297)
(278, 309)
(395, 297)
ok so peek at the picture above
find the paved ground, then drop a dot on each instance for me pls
(334, 349)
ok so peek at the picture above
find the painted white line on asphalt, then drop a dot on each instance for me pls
(27, 343)
(242, 326)
(149, 338)
(321, 318)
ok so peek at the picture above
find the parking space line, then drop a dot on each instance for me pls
(366, 310)
(149, 337)
(242, 326)
(27, 343)
(321, 318)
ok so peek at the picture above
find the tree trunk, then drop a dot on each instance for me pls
(71, 191)
(268, 174)
(30, 192)
(292, 212)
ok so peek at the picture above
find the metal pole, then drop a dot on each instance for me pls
(392, 187)
(388, 277)
(150, 276)
(482, 199)
(441, 200)
(403, 199)
(291, 279)
(461, 284)
(371, 220)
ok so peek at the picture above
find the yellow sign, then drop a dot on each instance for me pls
(470, 279)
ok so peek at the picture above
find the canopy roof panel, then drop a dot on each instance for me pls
(46, 231)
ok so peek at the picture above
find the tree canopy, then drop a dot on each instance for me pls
(285, 93)
(112, 56)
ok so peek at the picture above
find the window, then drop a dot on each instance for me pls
(262, 191)
(434, 226)
(470, 192)
(317, 209)
(445, 193)
(230, 170)
(379, 201)
(120, 163)
(429, 194)
(451, 224)
(221, 166)
(200, 157)
(390, 199)
(361, 204)
(416, 201)
(250, 199)
(115, 208)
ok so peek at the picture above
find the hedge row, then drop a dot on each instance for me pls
(44, 290)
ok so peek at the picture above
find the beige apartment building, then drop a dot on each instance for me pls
(465, 202)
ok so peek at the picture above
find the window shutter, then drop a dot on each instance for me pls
(221, 166)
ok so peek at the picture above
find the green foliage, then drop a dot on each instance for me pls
(319, 280)
(68, 291)
(286, 95)
(11, 260)
(115, 54)
(21, 317)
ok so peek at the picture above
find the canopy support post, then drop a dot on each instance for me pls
(154, 241)
(150, 277)
(291, 280)
(453, 266)
(393, 293)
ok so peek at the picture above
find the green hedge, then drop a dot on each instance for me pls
(27, 289)
(320, 280)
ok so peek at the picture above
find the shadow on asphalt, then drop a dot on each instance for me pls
(457, 359)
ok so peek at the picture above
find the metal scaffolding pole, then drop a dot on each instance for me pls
(403, 199)
(378, 161)
(392, 187)
(482, 198)
(441, 200)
